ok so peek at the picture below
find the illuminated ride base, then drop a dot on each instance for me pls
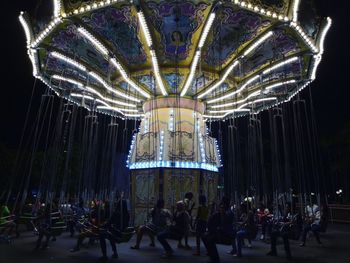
(175, 65)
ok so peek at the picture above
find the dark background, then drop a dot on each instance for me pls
(330, 90)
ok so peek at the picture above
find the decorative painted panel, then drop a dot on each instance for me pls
(232, 28)
(176, 22)
(72, 43)
(120, 28)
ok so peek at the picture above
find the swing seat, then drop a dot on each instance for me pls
(126, 235)
(26, 219)
(58, 228)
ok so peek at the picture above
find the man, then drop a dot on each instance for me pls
(220, 230)
(313, 219)
(176, 231)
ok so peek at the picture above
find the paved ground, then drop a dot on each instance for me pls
(335, 249)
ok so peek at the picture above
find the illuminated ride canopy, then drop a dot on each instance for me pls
(176, 64)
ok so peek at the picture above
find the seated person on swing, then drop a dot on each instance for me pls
(159, 216)
(113, 229)
(177, 230)
(90, 229)
(282, 228)
(312, 223)
(220, 230)
(6, 221)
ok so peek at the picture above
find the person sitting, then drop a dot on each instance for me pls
(189, 205)
(113, 228)
(312, 223)
(77, 219)
(246, 231)
(43, 226)
(176, 231)
(220, 230)
(266, 223)
(7, 223)
(201, 222)
(282, 229)
(158, 223)
(89, 228)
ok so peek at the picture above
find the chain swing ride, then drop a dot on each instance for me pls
(170, 76)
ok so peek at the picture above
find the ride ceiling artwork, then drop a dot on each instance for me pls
(234, 56)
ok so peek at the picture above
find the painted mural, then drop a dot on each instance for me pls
(174, 81)
(73, 4)
(148, 81)
(120, 28)
(199, 83)
(146, 150)
(280, 6)
(280, 45)
(176, 23)
(232, 29)
(72, 43)
(181, 146)
(308, 18)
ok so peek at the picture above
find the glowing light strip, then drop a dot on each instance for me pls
(148, 37)
(256, 93)
(161, 146)
(324, 33)
(192, 73)
(316, 63)
(295, 10)
(202, 149)
(157, 73)
(258, 43)
(198, 54)
(177, 164)
(257, 101)
(76, 95)
(92, 90)
(134, 115)
(91, 7)
(304, 36)
(131, 149)
(259, 10)
(50, 27)
(221, 81)
(33, 56)
(72, 81)
(57, 8)
(108, 87)
(97, 44)
(223, 116)
(27, 30)
(145, 29)
(236, 91)
(206, 30)
(127, 79)
(280, 84)
(68, 60)
(108, 107)
(281, 64)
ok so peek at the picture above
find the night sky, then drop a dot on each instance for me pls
(330, 90)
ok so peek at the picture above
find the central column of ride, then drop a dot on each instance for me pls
(171, 154)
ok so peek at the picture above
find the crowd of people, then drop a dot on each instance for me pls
(213, 224)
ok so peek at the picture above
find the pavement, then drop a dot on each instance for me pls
(335, 249)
